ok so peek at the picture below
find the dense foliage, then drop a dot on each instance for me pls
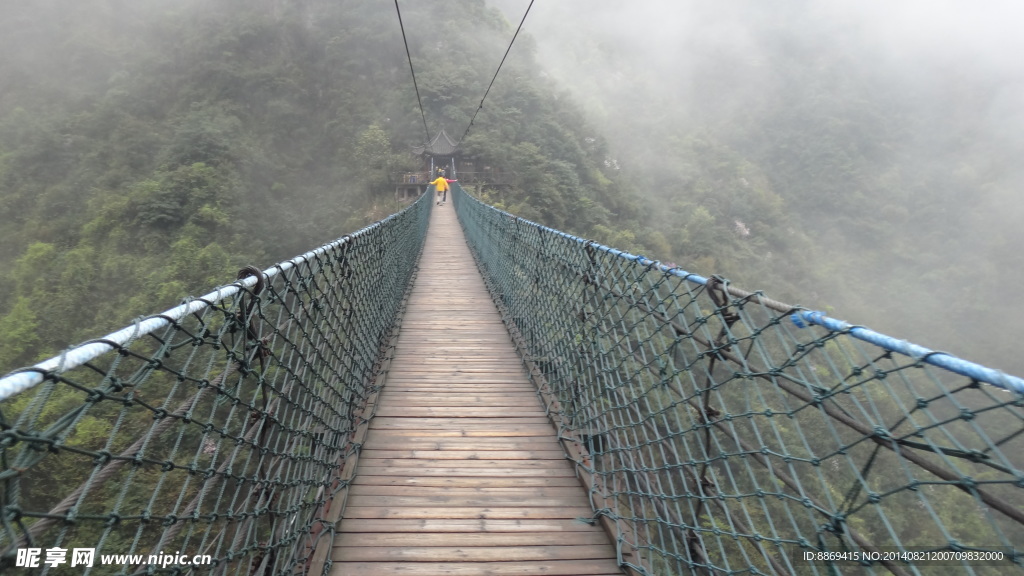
(149, 150)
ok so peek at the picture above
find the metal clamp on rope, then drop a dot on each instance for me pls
(804, 318)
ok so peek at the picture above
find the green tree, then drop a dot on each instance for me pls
(19, 334)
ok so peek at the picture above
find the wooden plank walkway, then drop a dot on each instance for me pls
(461, 472)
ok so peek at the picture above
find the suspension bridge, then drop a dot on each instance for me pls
(455, 390)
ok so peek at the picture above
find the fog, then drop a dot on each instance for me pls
(919, 233)
(883, 140)
(912, 45)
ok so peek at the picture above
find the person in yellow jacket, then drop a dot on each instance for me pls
(441, 185)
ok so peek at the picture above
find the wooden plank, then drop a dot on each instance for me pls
(394, 399)
(456, 374)
(453, 472)
(445, 362)
(512, 370)
(466, 390)
(601, 567)
(469, 554)
(439, 344)
(447, 333)
(464, 412)
(419, 337)
(554, 492)
(485, 448)
(418, 314)
(509, 370)
(486, 382)
(415, 442)
(428, 463)
(466, 512)
(447, 341)
(464, 481)
(467, 539)
(466, 432)
(465, 402)
(456, 343)
(467, 386)
(483, 380)
(427, 385)
(460, 394)
(459, 421)
(462, 390)
(467, 525)
(456, 389)
(456, 369)
(480, 455)
(469, 500)
(429, 360)
(480, 383)
(524, 407)
(462, 426)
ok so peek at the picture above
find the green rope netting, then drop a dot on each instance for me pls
(220, 433)
(724, 439)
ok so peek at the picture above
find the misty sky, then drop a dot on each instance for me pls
(913, 37)
(954, 66)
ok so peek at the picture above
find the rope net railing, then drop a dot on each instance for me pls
(207, 439)
(721, 432)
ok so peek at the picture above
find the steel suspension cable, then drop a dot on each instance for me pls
(423, 115)
(488, 91)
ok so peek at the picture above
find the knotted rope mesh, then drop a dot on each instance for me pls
(218, 428)
(720, 437)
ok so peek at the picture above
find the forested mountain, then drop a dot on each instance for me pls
(148, 150)
(857, 157)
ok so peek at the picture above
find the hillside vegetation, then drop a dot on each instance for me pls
(148, 150)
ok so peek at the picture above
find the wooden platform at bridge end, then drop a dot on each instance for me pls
(461, 472)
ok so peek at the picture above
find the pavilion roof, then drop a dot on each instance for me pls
(441, 145)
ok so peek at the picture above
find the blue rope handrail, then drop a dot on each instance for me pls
(218, 428)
